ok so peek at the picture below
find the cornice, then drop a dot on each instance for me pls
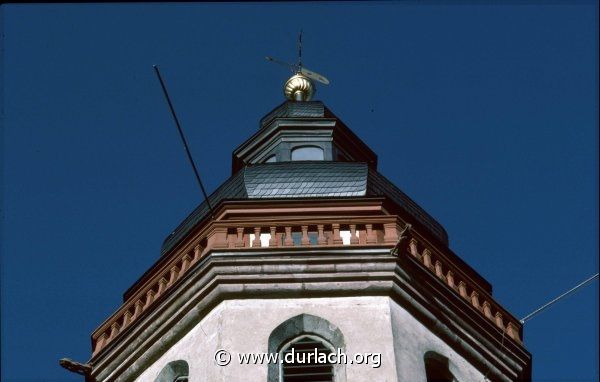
(366, 221)
(318, 272)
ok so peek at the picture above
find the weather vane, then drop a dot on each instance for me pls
(300, 86)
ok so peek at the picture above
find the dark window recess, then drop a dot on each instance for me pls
(304, 367)
(436, 369)
(175, 371)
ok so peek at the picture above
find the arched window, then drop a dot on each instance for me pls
(308, 153)
(305, 359)
(300, 335)
(437, 368)
(175, 371)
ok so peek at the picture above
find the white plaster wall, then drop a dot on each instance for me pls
(244, 326)
(412, 340)
(369, 324)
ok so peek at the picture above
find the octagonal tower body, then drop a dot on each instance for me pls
(309, 246)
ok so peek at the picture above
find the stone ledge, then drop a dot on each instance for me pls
(208, 284)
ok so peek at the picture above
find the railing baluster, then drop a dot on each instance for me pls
(139, 307)
(353, 238)
(197, 253)
(185, 263)
(438, 269)
(321, 240)
(288, 241)
(114, 330)
(304, 240)
(127, 318)
(499, 320)
(337, 239)
(475, 299)
(450, 279)
(256, 241)
(173, 275)
(427, 258)
(149, 298)
(162, 285)
(487, 310)
(462, 289)
(240, 237)
(101, 342)
(412, 244)
(513, 332)
(273, 240)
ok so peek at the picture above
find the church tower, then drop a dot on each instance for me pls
(308, 247)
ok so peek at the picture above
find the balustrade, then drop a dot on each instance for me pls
(243, 236)
(467, 289)
(234, 236)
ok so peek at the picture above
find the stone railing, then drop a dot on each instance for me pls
(231, 235)
(142, 300)
(306, 233)
(317, 232)
(467, 289)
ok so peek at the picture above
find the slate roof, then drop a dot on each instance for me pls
(303, 179)
(291, 109)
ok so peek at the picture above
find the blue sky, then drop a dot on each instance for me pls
(486, 115)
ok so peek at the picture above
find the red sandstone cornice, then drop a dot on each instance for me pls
(318, 225)
(274, 208)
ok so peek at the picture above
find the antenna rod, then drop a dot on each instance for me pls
(300, 50)
(187, 149)
(530, 315)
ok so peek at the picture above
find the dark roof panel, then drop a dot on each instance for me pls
(302, 179)
(380, 186)
(233, 188)
(289, 109)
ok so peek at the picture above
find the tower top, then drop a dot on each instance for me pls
(300, 86)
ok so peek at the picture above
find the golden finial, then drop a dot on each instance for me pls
(300, 86)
